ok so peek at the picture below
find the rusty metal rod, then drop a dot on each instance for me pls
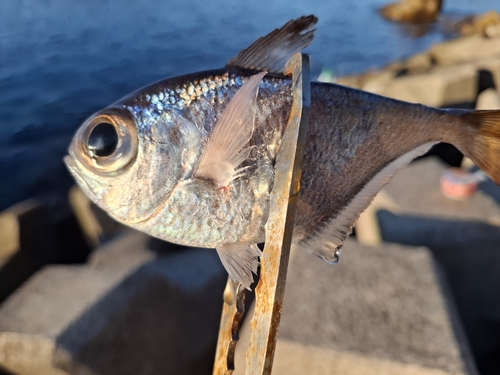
(279, 229)
(270, 290)
(232, 313)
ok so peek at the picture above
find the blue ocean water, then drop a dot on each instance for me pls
(61, 61)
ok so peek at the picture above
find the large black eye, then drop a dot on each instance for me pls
(107, 142)
(103, 139)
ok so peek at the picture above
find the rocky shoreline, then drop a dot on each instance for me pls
(449, 74)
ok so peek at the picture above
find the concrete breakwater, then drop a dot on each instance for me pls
(453, 73)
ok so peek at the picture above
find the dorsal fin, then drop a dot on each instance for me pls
(271, 52)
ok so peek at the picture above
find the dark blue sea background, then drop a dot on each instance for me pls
(62, 60)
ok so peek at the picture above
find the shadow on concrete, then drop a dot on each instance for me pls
(162, 318)
(43, 240)
(469, 253)
(4, 371)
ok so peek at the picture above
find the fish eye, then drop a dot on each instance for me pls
(107, 141)
(103, 139)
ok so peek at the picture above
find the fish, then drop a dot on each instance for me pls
(191, 159)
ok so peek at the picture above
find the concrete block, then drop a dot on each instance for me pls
(464, 237)
(367, 226)
(479, 24)
(354, 81)
(10, 222)
(492, 31)
(485, 21)
(440, 87)
(492, 66)
(377, 83)
(28, 354)
(466, 49)
(381, 310)
(127, 251)
(419, 62)
(416, 64)
(41, 236)
(129, 311)
(415, 190)
(488, 99)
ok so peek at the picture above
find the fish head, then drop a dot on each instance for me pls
(128, 163)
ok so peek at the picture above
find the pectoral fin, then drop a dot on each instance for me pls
(240, 260)
(225, 149)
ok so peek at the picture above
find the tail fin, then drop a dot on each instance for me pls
(485, 147)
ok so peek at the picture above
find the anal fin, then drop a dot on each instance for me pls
(328, 240)
(240, 260)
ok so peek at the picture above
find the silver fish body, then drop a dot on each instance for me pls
(356, 141)
(174, 119)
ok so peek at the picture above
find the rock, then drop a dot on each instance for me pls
(376, 84)
(397, 66)
(371, 80)
(440, 87)
(418, 63)
(381, 310)
(488, 99)
(492, 31)
(467, 29)
(353, 81)
(480, 24)
(466, 49)
(487, 19)
(129, 311)
(412, 11)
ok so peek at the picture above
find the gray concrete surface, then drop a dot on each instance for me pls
(379, 311)
(464, 237)
(415, 189)
(128, 311)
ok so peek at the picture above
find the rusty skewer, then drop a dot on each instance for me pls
(232, 311)
(270, 291)
(279, 228)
